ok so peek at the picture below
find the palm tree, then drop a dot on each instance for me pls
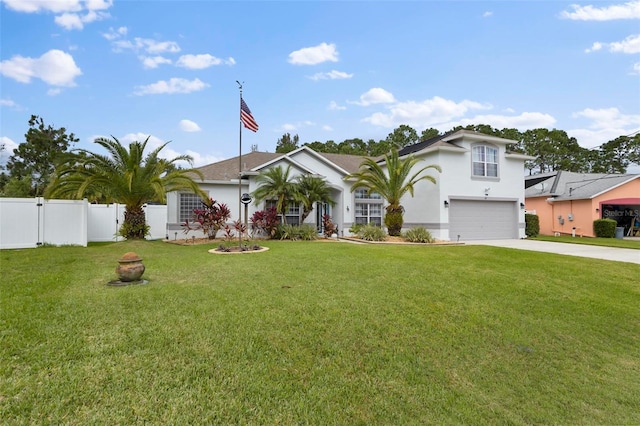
(124, 176)
(276, 184)
(392, 184)
(311, 190)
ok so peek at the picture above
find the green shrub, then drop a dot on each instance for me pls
(287, 232)
(532, 225)
(605, 228)
(127, 229)
(371, 233)
(305, 232)
(355, 228)
(418, 235)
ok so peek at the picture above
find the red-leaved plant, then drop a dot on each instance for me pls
(265, 222)
(329, 227)
(210, 218)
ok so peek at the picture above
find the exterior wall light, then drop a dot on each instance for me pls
(245, 199)
(446, 204)
(521, 206)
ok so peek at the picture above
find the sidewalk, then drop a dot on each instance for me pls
(581, 250)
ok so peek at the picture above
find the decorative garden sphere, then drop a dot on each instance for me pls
(130, 267)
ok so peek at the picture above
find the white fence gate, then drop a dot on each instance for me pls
(30, 222)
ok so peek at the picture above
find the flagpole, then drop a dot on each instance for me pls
(240, 169)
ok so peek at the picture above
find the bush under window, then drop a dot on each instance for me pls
(604, 228)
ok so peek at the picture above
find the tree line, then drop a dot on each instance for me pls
(29, 170)
(554, 149)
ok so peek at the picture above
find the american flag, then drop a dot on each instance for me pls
(246, 117)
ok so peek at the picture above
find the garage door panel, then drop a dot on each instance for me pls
(483, 220)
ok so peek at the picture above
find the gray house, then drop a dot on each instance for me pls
(478, 195)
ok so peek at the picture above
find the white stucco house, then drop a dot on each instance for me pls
(478, 195)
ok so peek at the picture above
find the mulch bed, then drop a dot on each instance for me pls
(216, 242)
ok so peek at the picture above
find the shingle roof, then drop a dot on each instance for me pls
(446, 141)
(350, 163)
(226, 170)
(419, 146)
(564, 185)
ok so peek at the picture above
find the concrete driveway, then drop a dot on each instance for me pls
(581, 250)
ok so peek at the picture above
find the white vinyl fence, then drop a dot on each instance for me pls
(30, 222)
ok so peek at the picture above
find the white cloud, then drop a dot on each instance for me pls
(629, 10)
(327, 128)
(605, 124)
(70, 14)
(590, 138)
(9, 146)
(8, 103)
(376, 95)
(291, 127)
(153, 61)
(314, 55)
(54, 91)
(608, 117)
(596, 46)
(636, 69)
(76, 21)
(56, 68)
(331, 75)
(114, 34)
(333, 106)
(168, 152)
(189, 126)
(174, 85)
(629, 45)
(69, 21)
(487, 14)
(524, 121)
(144, 44)
(202, 61)
(153, 46)
(98, 4)
(428, 113)
(200, 159)
(34, 6)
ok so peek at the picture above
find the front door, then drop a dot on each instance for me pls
(321, 210)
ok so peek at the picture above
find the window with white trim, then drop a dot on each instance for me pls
(187, 201)
(292, 214)
(368, 207)
(485, 161)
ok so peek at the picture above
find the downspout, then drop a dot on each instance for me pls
(550, 200)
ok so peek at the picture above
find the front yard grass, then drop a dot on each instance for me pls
(605, 242)
(318, 333)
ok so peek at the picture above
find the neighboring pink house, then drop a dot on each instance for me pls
(568, 203)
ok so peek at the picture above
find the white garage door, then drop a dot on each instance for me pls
(483, 220)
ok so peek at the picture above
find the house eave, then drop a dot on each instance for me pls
(477, 137)
(616, 186)
(518, 156)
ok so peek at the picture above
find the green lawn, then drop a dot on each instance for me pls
(606, 242)
(318, 333)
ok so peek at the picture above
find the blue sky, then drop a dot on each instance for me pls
(325, 70)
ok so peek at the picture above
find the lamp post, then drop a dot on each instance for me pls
(244, 199)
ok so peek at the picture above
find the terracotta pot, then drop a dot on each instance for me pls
(130, 267)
